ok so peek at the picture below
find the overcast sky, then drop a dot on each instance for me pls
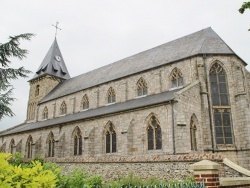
(98, 32)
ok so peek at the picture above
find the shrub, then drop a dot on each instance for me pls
(25, 177)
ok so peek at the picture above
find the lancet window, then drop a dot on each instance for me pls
(142, 87)
(37, 91)
(12, 146)
(63, 108)
(51, 145)
(45, 113)
(85, 102)
(220, 105)
(29, 147)
(176, 78)
(110, 138)
(77, 136)
(111, 95)
(154, 134)
(193, 136)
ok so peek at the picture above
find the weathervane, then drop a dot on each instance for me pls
(56, 27)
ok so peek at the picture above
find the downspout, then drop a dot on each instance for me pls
(209, 104)
(173, 135)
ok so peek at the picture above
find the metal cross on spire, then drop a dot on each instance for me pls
(56, 27)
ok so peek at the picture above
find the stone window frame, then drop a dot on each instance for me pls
(110, 138)
(12, 146)
(111, 96)
(85, 102)
(29, 144)
(45, 113)
(63, 108)
(176, 78)
(141, 87)
(77, 141)
(37, 91)
(31, 111)
(51, 145)
(193, 134)
(221, 111)
(154, 138)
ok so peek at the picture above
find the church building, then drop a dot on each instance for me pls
(188, 96)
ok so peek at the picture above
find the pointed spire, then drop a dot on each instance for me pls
(53, 64)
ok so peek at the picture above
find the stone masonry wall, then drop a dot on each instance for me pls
(165, 167)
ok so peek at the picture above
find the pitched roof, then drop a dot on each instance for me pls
(53, 64)
(205, 41)
(150, 100)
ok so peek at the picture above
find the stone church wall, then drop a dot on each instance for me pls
(158, 80)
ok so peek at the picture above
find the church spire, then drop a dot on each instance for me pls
(53, 64)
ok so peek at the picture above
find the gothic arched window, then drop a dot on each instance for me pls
(110, 138)
(142, 87)
(220, 105)
(29, 147)
(154, 134)
(12, 146)
(45, 113)
(193, 135)
(51, 145)
(111, 95)
(85, 102)
(77, 136)
(176, 78)
(37, 90)
(63, 108)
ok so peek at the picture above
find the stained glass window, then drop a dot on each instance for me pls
(154, 134)
(77, 142)
(29, 147)
(220, 104)
(110, 139)
(51, 145)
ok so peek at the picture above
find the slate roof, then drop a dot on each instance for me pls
(150, 100)
(53, 64)
(205, 41)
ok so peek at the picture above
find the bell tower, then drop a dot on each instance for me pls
(51, 72)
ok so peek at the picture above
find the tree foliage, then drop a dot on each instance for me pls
(244, 6)
(7, 51)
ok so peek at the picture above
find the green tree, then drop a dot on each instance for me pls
(244, 6)
(9, 50)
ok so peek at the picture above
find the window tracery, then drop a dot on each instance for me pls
(63, 108)
(111, 95)
(220, 105)
(85, 102)
(176, 78)
(77, 138)
(142, 88)
(45, 113)
(154, 134)
(29, 147)
(51, 145)
(110, 138)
